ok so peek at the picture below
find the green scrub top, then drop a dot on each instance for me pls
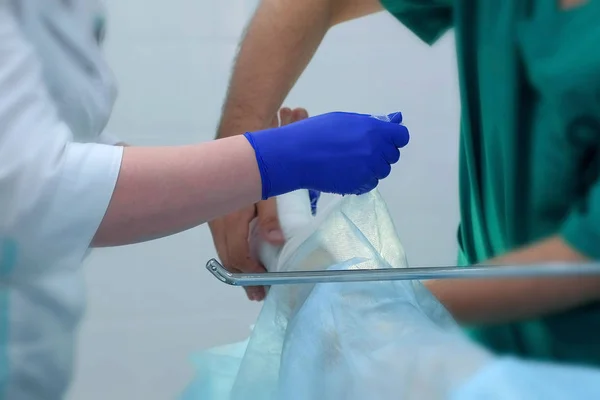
(529, 145)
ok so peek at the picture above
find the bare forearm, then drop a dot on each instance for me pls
(280, 42)
(497, 301)
(165, 190)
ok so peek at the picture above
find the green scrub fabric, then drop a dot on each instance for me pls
(529, 145)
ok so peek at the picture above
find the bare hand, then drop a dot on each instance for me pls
(230, 233)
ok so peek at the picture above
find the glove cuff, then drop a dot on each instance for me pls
(262, 167)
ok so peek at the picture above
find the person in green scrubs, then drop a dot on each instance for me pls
(529, 153)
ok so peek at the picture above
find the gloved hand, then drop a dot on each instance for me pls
(342, 153)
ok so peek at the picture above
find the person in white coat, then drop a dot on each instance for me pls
(66, 186)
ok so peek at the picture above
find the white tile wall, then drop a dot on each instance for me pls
(151, 305)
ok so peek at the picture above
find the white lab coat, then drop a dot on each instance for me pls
(55, 91)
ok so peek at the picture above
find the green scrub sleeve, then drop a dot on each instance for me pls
(428, 19)
(581, 230)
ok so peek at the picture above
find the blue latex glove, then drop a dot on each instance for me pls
(340, 153)
(314, 196)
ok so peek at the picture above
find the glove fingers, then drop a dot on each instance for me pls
(391, 154)
(382, 169)
(369, 186)
(398, 134)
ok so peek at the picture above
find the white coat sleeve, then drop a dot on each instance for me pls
(53, 192)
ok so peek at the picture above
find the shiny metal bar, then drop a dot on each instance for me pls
(400, 274)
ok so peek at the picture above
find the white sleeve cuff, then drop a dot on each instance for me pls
(89, 177)
(64, 211)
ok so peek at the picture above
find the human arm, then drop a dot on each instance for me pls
(282, 38)
(165, 190)
(279, 43)
(506, 300)
(576, 240)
